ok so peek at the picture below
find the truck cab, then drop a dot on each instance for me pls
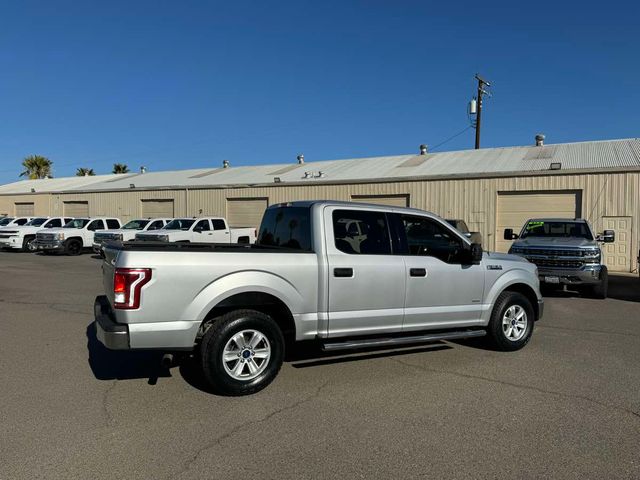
(13, 221)
(199, 230)
(566, 252)
(23, 237)
(127, 232)
(74, 236)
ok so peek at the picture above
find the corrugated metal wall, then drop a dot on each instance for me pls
(603, 194)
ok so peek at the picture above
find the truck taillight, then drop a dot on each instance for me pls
(127, 284)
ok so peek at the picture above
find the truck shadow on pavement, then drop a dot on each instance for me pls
(621, 287)
(123, 365)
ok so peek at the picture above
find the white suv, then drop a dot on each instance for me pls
(23, 237)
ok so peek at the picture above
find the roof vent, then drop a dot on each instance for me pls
(423, 149)
(300, 159)
(539, 140)
(143, 169)
(225, 164)
(308, 175)
(320, 174)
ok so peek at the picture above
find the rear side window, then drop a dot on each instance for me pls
(288, 227)
(361, 232)
(218, 224)
(113, 224)
(96, 225)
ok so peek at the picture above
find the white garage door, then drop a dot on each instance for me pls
(24, 209)
(617, 255)
(514, 209)
(76, 209)
(157, 208)
(246, 212)
(390, 200)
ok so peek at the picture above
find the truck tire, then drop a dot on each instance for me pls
(241, 352)
(28, 244)
(73, 247)
(600, 290)
(511, 323)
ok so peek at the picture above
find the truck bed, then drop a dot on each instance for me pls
(198, 247)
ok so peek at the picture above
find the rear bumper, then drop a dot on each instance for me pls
(588, 275)
(111, 334)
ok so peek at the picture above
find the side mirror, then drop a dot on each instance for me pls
(509, 235)
(476, 253)
(608, 236)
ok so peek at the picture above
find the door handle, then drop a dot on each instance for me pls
(418, 272)
(343, 272)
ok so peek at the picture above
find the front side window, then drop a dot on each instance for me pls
(287, 227)
(427, 237)
(157, 225)
(21, 221)
(77, 223)
(36, 222)
(96, 225)
(361, 232)
(179, 224)
(135, 225)
(202, 226)
(53, 223)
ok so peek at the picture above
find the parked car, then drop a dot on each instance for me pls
(566, 252)
(199, 230)
(461, 226)
(23, 237)
(74, 236)
(13, 221)
(412, 278)
(127, 232)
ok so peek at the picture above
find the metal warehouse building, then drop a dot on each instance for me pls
(492, 189)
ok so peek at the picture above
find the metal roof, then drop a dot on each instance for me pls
(513, 161)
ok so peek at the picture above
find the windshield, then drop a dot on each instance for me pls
(538, 228)
(136, 225)
(77, 223)
(36, 222)
(5, 221)
(179, 224)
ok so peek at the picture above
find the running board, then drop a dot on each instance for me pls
(393, 341)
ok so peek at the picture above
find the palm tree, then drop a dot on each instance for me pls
(84, 172)
(120, 168)
(36, 166)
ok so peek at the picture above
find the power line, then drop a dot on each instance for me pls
(451, 137)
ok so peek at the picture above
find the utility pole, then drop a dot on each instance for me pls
(482, 83)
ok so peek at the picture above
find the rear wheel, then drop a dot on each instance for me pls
(511, 324)
(242, 352)
(73, 247)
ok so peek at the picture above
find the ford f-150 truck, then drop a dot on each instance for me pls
(565, 251)
(74, 236)
(23, 237)
(127, 232)
(408, 277)
(199, 230)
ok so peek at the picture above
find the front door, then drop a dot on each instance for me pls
(441, 291)
(366, 281)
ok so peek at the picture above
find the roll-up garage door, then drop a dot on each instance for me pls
(24, 209)
(514, 209)
(246, 212)
(157, 208)
(76, 209)
(390, 200)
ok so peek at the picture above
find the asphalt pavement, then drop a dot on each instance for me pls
(566, 406)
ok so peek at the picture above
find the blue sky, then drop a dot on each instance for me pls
(187, 84)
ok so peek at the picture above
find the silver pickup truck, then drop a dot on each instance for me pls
(566, 252)
(399, 276)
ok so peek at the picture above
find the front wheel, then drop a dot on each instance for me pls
(242, 352)
(601, 290)
(29, 244)
(73, 247)
(511, 324)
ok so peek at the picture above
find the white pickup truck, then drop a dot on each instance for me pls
(13, 221)
(199, 230)
(403, 276)
(75, 236)
(23, 237)
(127, 232)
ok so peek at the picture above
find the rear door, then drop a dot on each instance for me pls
(366, 281)
(441, 291)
